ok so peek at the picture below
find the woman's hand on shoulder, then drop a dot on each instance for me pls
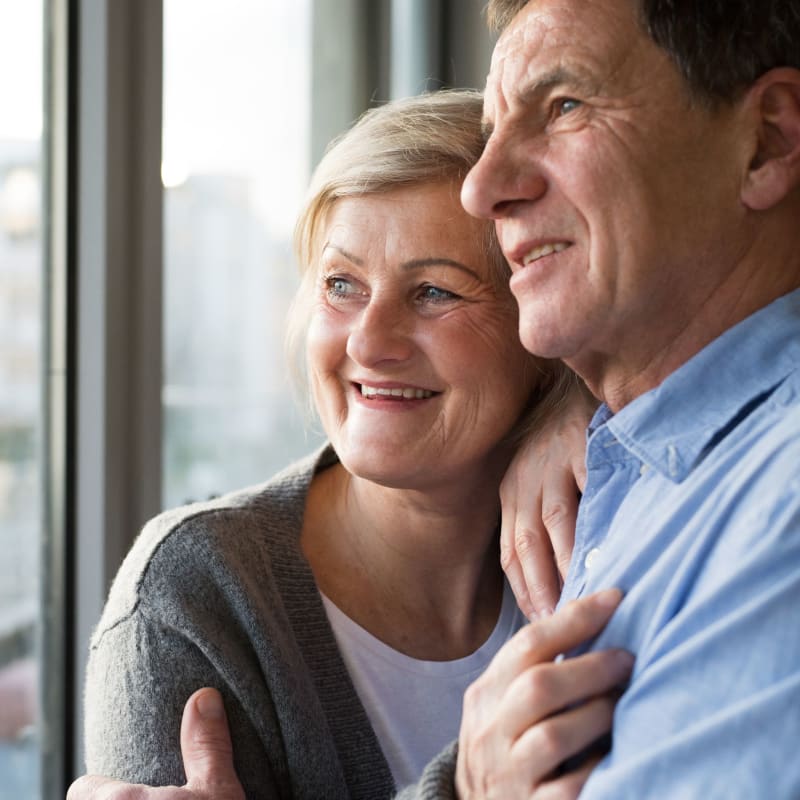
(539, 496)
(528, 714)
(207, 761)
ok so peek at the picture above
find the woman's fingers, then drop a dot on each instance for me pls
(560, 498)
(539, 497)
(526, 553)
(513, 568)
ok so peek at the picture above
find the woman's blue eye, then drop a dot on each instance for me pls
(339, 287)
(434, 294)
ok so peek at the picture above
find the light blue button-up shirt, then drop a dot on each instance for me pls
(692, 508)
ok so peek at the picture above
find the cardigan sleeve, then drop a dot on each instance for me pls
(437, 781)
(133, 705)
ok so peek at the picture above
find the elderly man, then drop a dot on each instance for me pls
(642, 165)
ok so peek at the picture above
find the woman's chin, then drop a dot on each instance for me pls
(388, 471)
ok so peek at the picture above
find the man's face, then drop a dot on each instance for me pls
(615, 195)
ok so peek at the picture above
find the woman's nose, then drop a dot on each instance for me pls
(382, 333)
(500, 181)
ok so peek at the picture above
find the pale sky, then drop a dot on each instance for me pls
(237, 96)
(20, 69)
(236, 91)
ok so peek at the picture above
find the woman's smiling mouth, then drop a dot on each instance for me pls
(395, 392)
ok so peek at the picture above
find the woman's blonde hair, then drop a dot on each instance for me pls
(418, 140)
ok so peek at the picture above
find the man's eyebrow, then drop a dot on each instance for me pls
(349, 256)
(533, 91)
(560, 76)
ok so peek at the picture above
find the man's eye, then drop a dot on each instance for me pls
(566, 105)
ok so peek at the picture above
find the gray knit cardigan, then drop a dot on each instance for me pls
(219, 594)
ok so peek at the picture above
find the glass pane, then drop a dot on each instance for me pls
(235, 167)
(21, 60)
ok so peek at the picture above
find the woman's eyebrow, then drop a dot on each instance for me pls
(349, 256)
(436, 261)
(407, 266)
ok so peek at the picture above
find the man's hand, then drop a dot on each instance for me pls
(539, 495)
(527, 714)
(207, 761)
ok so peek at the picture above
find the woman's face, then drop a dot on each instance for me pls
(413, 353)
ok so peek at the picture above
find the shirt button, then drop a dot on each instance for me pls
(644, 469)
(590, 557)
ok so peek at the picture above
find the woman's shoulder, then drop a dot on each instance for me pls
(227, 540)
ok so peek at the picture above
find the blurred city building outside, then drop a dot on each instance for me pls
(20, 486)
(236, 161)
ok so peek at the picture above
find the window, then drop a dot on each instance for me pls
(236, 161)
(21, 71)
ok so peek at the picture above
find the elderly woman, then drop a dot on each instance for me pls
(343, 608)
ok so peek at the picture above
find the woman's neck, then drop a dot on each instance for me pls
(418, 571)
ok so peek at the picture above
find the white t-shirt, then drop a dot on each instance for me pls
(414, 706)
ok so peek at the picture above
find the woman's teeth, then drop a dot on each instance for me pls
(407, 393)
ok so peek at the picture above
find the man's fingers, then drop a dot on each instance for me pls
(96, 787)
(206, 748)
(568, 786)
(207, 761)
(548, 637)
(545, 689)
(542, 748)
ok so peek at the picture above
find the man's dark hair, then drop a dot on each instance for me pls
(719, 46)
(723, 46)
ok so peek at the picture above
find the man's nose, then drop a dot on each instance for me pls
(502, 179)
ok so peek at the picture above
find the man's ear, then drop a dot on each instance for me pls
(775, 169)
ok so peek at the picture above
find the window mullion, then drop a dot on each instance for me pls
(119, 297)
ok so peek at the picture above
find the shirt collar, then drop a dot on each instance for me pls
(669, 427)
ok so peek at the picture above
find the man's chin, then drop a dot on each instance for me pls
(541, 341)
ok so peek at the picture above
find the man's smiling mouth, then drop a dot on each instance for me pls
(544, 250)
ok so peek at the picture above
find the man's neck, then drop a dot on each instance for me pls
(650, 355)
